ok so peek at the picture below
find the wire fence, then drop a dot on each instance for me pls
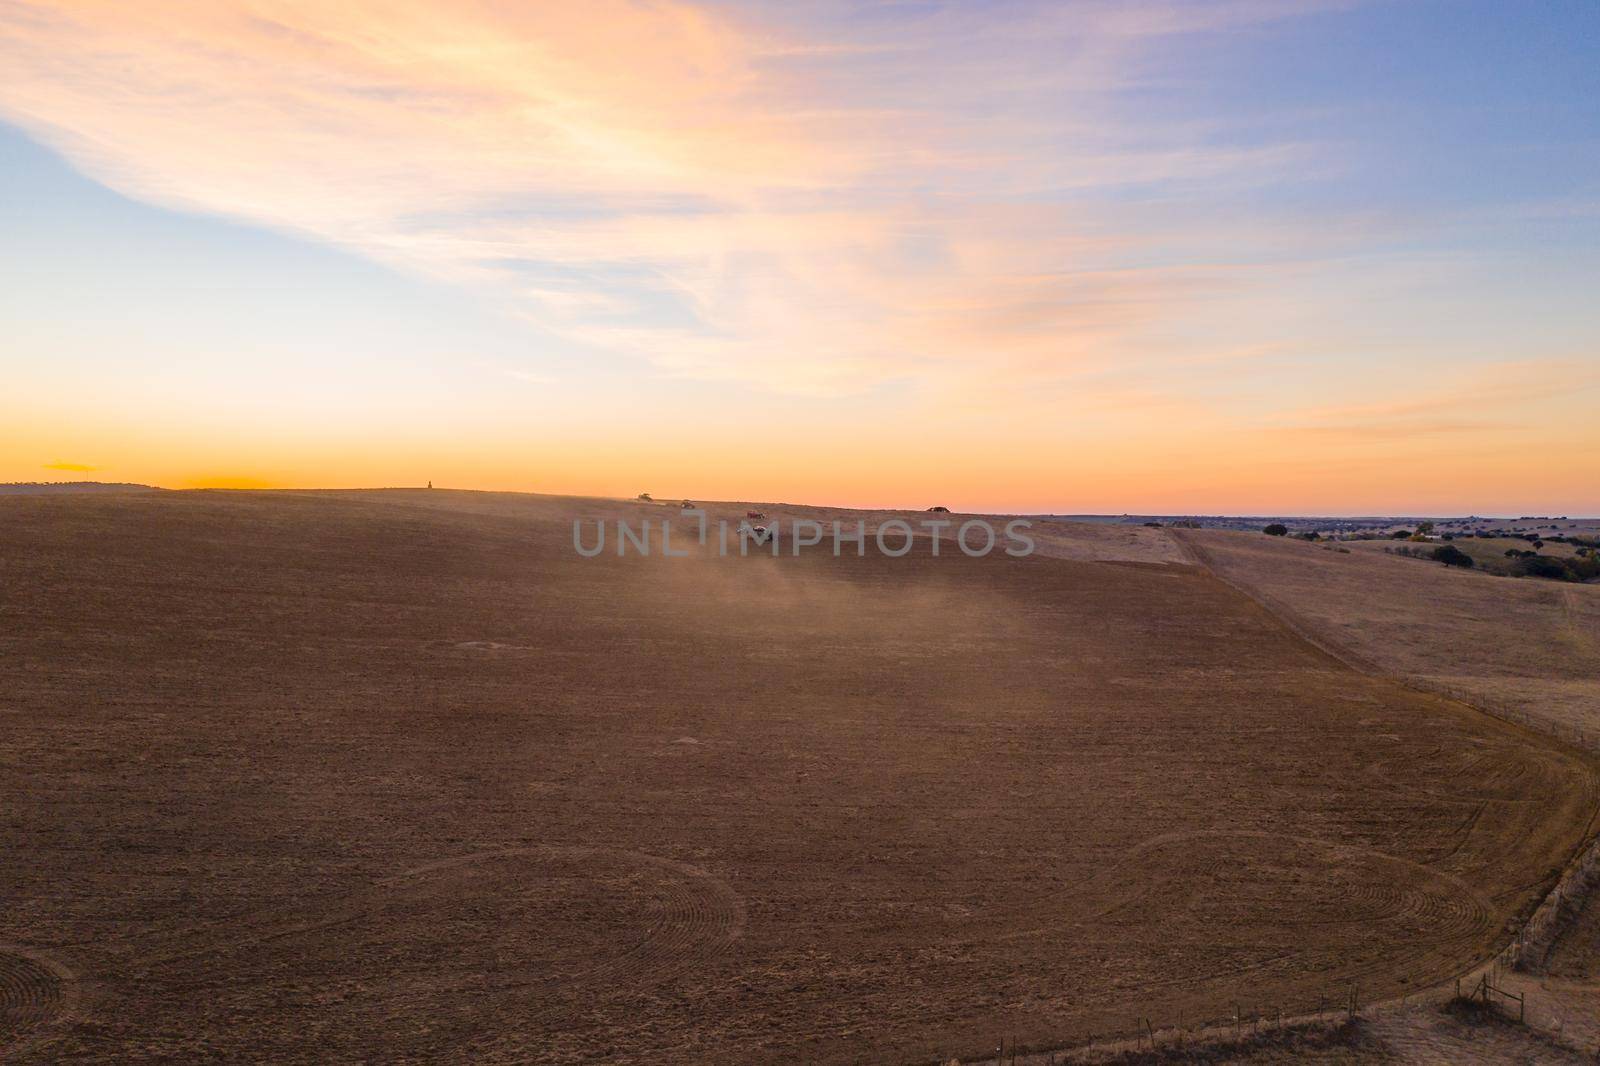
(1486, 983)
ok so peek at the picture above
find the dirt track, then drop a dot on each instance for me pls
(1529, 649)
(304, 776)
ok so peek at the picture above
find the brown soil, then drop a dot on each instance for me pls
(1527, 648)
(382, 776)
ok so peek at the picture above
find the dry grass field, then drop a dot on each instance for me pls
(393, 776)
(1525, 649)
(1529, 646)
(1488, 553)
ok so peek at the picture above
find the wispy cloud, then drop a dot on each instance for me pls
(749, 198)
(1497, 397)
(77, 468)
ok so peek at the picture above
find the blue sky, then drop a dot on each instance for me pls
(1233, 255)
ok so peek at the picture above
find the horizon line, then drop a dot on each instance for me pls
(669, 497)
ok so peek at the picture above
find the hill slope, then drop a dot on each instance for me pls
(400, 775)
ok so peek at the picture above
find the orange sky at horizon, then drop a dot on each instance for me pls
(1012, 476)
(1271, 257)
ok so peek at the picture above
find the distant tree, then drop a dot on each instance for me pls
(1153, 525)
(1534, 565)
(1424, 528)
(1276, 529)
(1450, 555)
(1401, 534)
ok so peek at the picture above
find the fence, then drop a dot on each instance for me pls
(1528, 950)
(1243, 1026)
(1538, 935)
(1277, 1030)
(1486, 989)
(1572, 733)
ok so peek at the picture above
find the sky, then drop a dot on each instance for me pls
(1156, 256)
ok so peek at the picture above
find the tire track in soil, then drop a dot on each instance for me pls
(701, 915)
(35, 990)
(1582, 638)
(1282, 613)
(1453, 915)
(1413, 1047)
(696, 916)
